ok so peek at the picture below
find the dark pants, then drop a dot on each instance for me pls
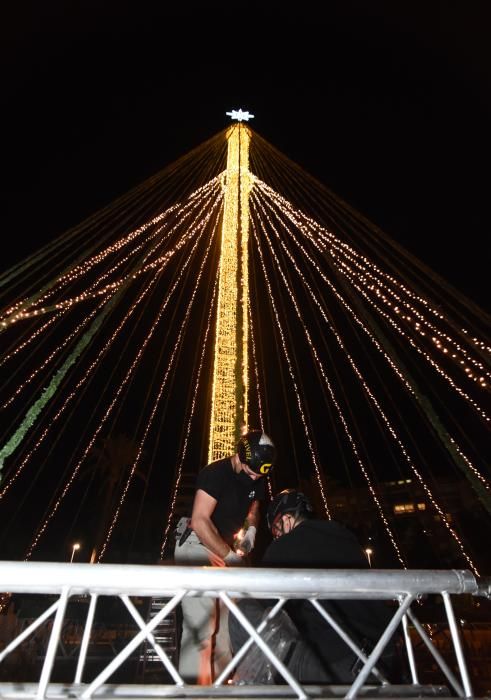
(300, 659)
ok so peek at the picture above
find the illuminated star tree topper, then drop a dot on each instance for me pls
(239, 115)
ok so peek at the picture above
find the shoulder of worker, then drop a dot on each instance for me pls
(214, 477)
(317, 530)
(218, 467)
(219, 464)
(331, 528)
(316, 543)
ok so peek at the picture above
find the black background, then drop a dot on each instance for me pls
(386, 103)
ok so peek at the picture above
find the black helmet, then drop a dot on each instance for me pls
(256, 450)
(288, 501)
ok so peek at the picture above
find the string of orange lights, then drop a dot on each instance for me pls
(162, 387)
(372, 397)
(202, 227)
(374, 280)
(400, 375)
(196, 384)
(315, 459)
(342, 418)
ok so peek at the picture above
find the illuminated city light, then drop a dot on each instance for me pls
(75, 548)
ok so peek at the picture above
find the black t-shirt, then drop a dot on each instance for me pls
(317, 544)
(322, 544)
(233, 492)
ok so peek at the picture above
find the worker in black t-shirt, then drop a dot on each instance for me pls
(318, 654)
(221, 531)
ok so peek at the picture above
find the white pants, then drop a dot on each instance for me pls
(205, 644)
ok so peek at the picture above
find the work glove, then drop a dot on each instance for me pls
(245, 540)
(232, 559)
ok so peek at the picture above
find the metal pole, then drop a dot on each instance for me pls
(131, 646)
(379, 647)
(264, 647)
(457, 644)
(85, 639)
(247, 645)
(437, 656)
(332, 622)
(410, 651)
(23, 635)
(158, 649)
(53, 643)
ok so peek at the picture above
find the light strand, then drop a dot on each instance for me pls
(55, 352)
(401, 446)
(163, 384)
(177, 481)
(292, 376)
(463, 394)
(196, 227)
(363, 264)
(29, 340)
(258, 386)
(372, 338)
(332, 394)
(119, 390)
(417, 321)
(111, 287)
(78, 270)
(79, 385)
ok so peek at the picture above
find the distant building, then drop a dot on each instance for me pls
(418, 527)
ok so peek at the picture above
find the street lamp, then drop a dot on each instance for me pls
(75, 548)
(369, 553)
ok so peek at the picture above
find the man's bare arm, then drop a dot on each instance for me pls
(253, 515)
(202, 524)
(246, 537)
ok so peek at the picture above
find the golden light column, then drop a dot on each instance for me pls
(229, 404)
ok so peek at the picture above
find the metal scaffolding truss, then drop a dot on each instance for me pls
(174, 583)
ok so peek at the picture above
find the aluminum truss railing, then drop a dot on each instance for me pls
(174, 583)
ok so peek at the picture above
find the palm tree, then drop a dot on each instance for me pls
(111, 459)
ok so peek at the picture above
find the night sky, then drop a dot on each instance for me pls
(388, 104)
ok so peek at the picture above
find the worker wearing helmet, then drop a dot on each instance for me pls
(287, 509)
(221, 531)
(318, 654)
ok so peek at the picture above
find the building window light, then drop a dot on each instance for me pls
(404, 508)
